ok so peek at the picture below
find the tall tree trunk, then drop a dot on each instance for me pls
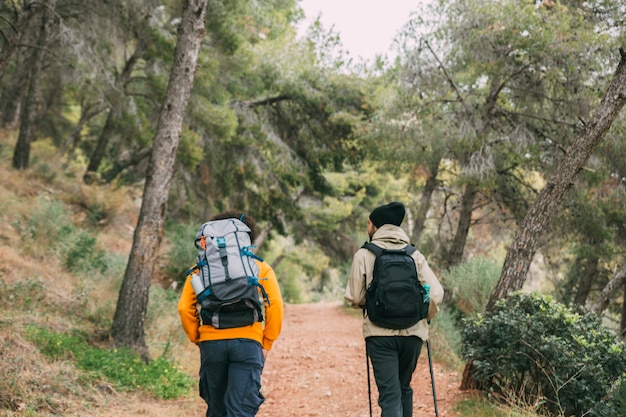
(522, 249)
(21, 153)
(455, 255)
(130, 314)
(15, 37)
(426, 198)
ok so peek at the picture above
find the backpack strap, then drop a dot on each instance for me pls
(375, 249)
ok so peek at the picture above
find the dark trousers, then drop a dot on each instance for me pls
(394, 359)
(230, 377)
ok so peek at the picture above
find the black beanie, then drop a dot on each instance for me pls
(392, 213)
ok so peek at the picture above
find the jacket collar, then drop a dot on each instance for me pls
(389, 233)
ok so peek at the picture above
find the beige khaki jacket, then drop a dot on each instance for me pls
(390, 237)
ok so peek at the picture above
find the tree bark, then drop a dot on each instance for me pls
(13, 40)
(121, 164)
(21, 153)
(609, 289)
(455, 255)
(128, 323)
(14, 93)
(425, 200)
(589, 273)
(115, 113)
(103, 140)
(524, 245)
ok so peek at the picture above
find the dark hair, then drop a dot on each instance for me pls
(247, 220)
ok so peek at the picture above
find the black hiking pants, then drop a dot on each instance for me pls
(394, 359)
(230, 377)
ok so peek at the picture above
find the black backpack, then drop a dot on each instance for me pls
(395, 298)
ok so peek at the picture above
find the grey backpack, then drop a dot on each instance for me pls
(225, 277)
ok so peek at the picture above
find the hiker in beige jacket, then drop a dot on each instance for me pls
(393, 352)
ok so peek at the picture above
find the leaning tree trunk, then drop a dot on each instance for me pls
(455, 255)
(130, 314)
(21, 152)
(103, 140)
(425, 200)
(523, 247)
(614, 284)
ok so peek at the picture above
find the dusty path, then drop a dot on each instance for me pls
(318, 368)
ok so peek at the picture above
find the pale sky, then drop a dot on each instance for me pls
(366, 27)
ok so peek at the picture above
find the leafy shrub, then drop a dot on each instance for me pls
(541, 352)
(50, 231)
(122, 367)
(82, 255)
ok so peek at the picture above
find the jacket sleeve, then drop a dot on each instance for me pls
(355, 288)
(274, 312)
(189, 317)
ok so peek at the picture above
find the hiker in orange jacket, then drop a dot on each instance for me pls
(232, 359)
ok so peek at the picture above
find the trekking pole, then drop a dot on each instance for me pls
(369, 384)
(432, 376)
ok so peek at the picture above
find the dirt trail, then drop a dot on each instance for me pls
(318, 368)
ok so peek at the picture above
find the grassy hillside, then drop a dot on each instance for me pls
(63, 250)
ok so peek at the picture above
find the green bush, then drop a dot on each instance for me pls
(537, 351)
(50, 231)
(124, 368)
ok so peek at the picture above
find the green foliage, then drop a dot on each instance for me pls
(51, 227)
(303, 270)
(471, 284)
(540, 352)
(82, 255)
(123, 368)
(292, 284)
(182, 252)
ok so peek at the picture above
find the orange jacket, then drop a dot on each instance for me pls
(265, 333)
